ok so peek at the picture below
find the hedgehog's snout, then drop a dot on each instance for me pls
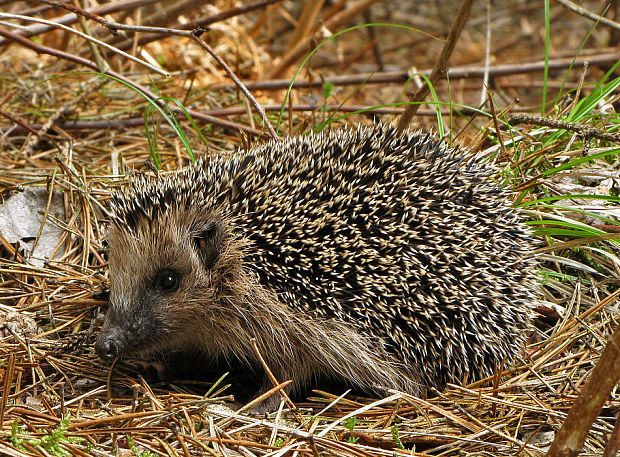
(109, 344)
(128, 332)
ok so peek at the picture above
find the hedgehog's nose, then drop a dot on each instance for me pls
(107, 346)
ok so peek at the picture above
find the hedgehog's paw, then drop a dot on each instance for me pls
(269, 405)
(151, 369)
(166, 367)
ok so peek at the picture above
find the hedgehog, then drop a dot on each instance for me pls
(368, 256)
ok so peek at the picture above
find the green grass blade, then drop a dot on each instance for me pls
(609, 198)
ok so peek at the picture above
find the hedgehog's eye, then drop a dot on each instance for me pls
(167, 280)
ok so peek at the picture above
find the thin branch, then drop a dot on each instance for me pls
(114, 27)
(584, 131)
(75, 10)
(464, 72)
(441, 66)
(86, 37)
(69, 19)
(238, 82)
(585, 13)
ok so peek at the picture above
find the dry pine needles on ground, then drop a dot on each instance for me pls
(69, 137)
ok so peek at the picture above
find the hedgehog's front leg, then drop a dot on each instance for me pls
(272, 402)
(278, 365)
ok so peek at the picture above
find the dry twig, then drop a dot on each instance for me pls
(440, 68)
(584, 131)
(585, 13)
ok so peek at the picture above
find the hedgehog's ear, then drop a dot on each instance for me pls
(209, 243)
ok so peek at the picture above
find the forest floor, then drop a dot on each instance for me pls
(533, 92)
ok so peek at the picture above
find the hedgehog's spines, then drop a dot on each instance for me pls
(396, 234)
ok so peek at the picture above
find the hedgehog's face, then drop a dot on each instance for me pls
(164, 283)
